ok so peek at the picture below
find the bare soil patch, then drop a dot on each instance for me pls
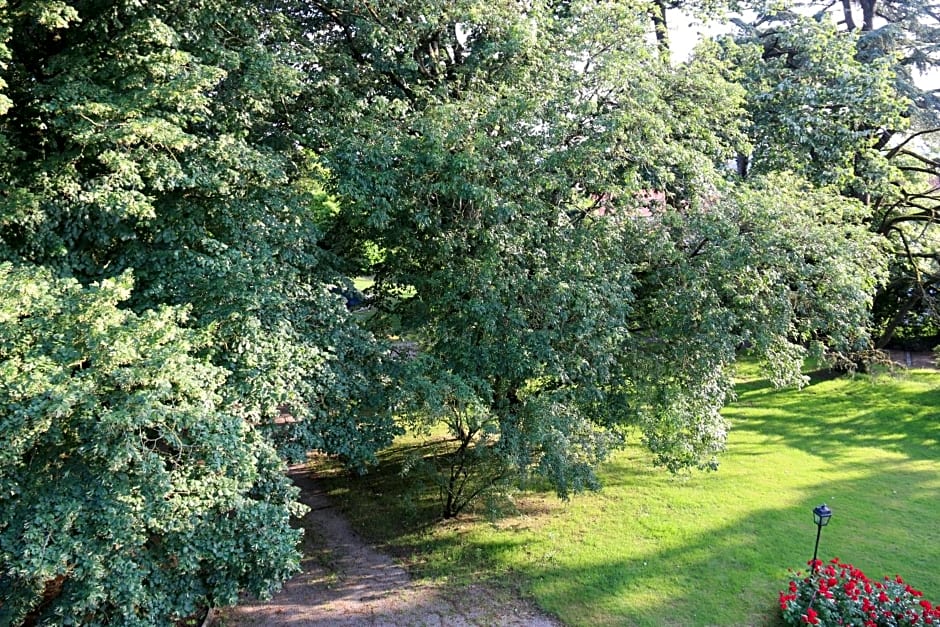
(345, 582)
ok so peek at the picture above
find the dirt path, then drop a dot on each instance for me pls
(347, 583)
(913, 359)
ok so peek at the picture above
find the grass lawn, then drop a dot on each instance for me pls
(362, 283)
(708, 548)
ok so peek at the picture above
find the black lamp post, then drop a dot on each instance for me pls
(821, 516)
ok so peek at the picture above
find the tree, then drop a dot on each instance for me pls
(907, 33)
(539, 194)
(129, 487)
(159, 139)
(841, 103)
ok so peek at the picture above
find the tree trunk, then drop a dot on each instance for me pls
(849, 18)
(742, 163)
(895, 323)
(457, 476)
(868, 14)
(658, 15)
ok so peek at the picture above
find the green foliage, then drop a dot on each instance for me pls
(559, 242)
(129, 487)
(814, 107)
(539, 195)
(160, 139)
(761, 266)
(841, 103)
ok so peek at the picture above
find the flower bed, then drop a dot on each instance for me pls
(840, 594)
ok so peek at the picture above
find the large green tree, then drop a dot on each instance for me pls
(540, 198)
(838, 95)
(131, 491)
(159, 138)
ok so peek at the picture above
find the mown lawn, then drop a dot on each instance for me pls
(704, 549)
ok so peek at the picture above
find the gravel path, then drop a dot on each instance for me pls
(347, 583)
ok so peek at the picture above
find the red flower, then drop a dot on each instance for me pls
(855, 596)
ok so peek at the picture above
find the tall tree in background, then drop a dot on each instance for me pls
(836, 96)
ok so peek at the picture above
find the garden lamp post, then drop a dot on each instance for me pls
(821, 516)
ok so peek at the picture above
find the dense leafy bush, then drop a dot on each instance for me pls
(138, 476)
(840, 594)
(128, 489)
(178, 161)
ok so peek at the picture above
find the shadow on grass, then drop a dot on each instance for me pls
(690, 583)
(833, 414)
(390, 497)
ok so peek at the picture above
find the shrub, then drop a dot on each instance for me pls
(840, 594)
(130, 493)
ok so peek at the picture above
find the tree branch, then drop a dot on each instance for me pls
(894, 151)
(350, 37)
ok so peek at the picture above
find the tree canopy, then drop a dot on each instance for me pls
(837, 95)
(564, 245)
(129, 487)
(158, 139)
